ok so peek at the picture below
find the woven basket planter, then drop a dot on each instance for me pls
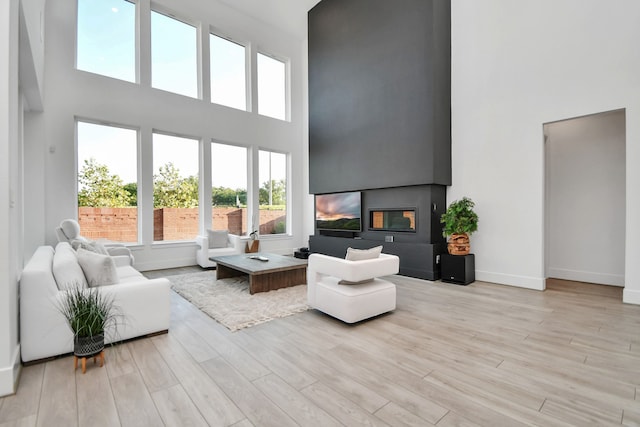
(459, 244)
(88, 346)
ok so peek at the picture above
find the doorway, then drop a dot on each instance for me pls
(585, 198)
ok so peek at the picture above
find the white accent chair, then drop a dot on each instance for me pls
(69, 231)
(327, 291)
(235, 245)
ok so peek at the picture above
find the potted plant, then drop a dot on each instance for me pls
(89, 313)
(459, 221)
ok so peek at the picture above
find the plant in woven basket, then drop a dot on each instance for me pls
(89, 313)
(459, 222)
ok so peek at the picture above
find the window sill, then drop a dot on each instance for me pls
(174, 244)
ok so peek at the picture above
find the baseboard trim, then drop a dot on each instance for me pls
(587, 276)
(631, 296)
(9, 375)
(527, 282)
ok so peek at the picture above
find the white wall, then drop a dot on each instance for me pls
(515, 66)
(32, 51)
(71, 93)
(585, 198)
(10, 195)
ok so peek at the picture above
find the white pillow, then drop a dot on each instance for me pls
(218, 238)
(362, 254)
(66, 269)
(99, 269)
(89, 246)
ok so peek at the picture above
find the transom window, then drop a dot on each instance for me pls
(272, 84)
(228, 73)
(106, 38)
(174, 55)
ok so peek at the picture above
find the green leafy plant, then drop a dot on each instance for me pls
(459, 218)
(89, 312)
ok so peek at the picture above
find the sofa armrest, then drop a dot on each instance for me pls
(237, 242)
(354, 271)
(145, 306)
(121, 255)
(202, 241)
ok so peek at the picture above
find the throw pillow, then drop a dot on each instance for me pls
(89, 246)
(99, 269)
(66, 269)
(362, 254)
(218, 238)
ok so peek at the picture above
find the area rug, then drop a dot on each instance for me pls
(228, 300)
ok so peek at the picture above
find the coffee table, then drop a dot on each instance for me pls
(278, 272)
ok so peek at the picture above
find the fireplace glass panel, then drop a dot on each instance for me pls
(392, 219)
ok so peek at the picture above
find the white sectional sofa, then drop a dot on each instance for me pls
(144, 303)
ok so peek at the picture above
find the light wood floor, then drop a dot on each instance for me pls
(448, 356)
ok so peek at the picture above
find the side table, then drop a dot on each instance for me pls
(458, 269)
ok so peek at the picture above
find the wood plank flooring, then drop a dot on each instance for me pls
(478, 355)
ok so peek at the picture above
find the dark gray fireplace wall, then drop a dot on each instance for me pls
(379, 94)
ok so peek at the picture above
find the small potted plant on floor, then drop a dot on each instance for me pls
(89, 313)
(459, 222)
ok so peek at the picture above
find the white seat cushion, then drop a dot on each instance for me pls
(126, 273)
(352, 303)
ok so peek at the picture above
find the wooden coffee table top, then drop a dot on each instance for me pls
(246, 264)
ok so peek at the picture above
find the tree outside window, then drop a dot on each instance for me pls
(107, 182)
(175, 188)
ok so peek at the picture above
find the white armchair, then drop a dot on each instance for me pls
(351, 290)
(234, 245)
(69, 231)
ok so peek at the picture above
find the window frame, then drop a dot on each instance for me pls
(247, 68)
(198, 47)
(137, 130)
(287, 83)
(288, 196)
(136, 44)
(199, 142)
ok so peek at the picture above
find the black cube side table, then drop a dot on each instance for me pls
(458, 269)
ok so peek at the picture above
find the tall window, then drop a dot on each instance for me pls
(107, 182)
(106, 38)
(272, 95)
(175, 188)
(273, 192)
(228, 73)
(174, 56)
(229, 188)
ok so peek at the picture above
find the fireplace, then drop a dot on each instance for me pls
(397, 220)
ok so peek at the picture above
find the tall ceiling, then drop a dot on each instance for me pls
(289, 15)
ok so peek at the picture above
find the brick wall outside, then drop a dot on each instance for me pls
(121, 224)
(117, 224)
(175, 224)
